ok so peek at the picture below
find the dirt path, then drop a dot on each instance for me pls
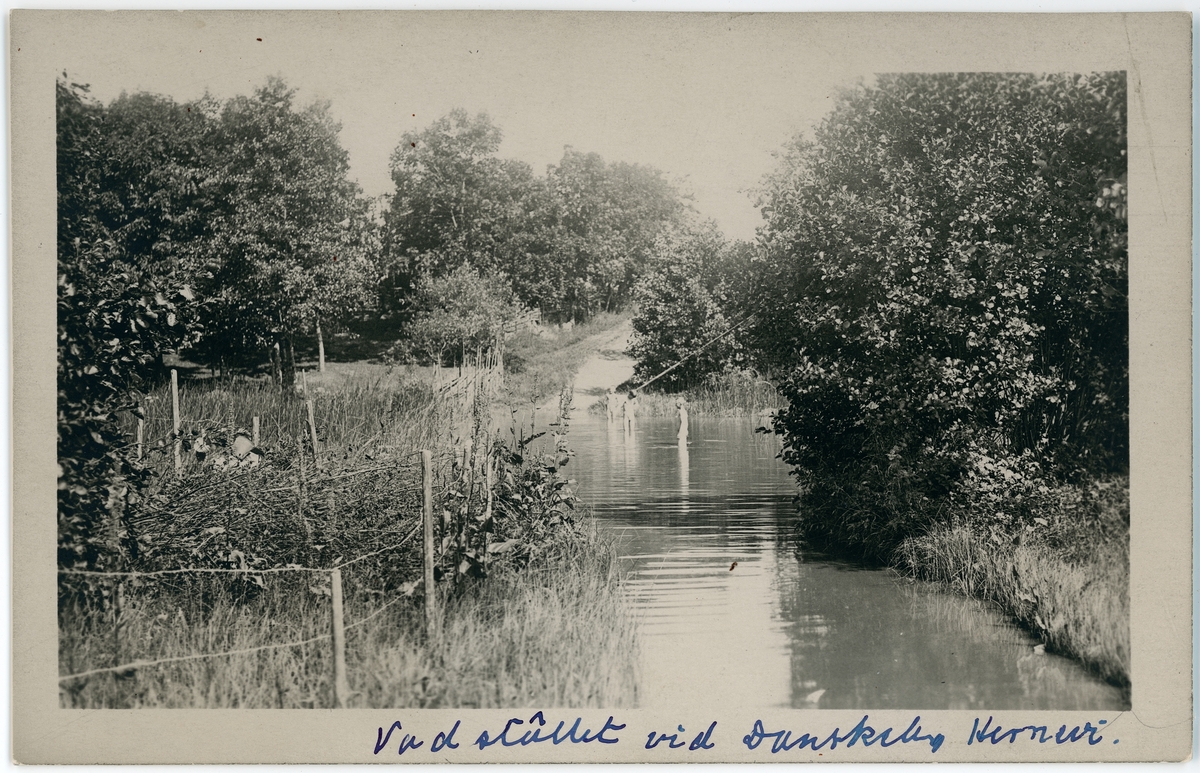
(609, 366)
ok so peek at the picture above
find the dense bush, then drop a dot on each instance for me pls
(461, 312)
(945, 278)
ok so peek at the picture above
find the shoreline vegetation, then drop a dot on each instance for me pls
(1079, 607)
(939, 293)
(529, 612)
(555, 634)
(741, 393)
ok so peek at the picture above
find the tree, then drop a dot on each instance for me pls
(945, 289)
(571, 244)
(601, 223)
(690, 295)
(120, 297)
(456, 203)
(291, 244)
(462, 311)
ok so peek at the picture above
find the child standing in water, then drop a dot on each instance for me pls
(631, 406)
(610, 405)
(683, 421)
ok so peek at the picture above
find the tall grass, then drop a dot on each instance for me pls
(556, 634)
(1079, 608)
(553, 633)
(381, 408)
(723, 395)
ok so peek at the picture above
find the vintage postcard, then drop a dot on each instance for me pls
(601, 387)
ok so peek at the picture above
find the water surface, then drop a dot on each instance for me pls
(787, 627)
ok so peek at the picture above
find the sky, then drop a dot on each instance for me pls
(707, 100)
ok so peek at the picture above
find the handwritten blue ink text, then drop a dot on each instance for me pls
(782, 739)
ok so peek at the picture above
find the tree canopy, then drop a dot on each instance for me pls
(944, 289)
(291, 241)
(571, 243)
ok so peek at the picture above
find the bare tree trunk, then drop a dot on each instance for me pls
(320, 349)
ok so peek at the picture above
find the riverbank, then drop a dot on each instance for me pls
(1066, 580)
(530, 612)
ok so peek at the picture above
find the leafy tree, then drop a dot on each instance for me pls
(462, 312)
(691, 295)
(945, 289)
(455, 203)
(602, 222)
(291, 244)
(120, 297)
(571, 244)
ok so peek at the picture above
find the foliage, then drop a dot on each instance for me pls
(599, 224)
(570, 244)
(119, 301)
(945, 269)
(292, 240)
(455, 204)
(461, 311)
(690, 296)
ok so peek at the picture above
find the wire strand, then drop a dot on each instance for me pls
(147, 663)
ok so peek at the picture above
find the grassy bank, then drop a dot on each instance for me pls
(554, 634)
(1066, 579)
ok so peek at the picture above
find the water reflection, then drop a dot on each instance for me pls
(782, 628)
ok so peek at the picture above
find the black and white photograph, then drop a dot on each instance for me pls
(748, 383)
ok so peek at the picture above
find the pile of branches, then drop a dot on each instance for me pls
(284, 513)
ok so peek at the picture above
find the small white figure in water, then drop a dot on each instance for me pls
(610, 404)
(683, 421)
(630, 410)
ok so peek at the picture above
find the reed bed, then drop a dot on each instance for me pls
(723, 395)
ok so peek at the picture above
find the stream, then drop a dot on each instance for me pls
(787, 627)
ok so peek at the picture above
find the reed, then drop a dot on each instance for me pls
(723, 395)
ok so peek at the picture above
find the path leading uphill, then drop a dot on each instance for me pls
(608, 367)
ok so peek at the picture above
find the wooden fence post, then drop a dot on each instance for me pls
(175, 420)
(254, 431)
(320, 349)
(427, 519)
(341, 688)
(312, 426)
(277, 363)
